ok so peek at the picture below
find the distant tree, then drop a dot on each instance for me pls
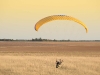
(54, 40)
(33, 39)
(40, 39)
(36, 39)
(68, 39)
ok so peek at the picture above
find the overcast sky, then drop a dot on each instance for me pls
(18, 18)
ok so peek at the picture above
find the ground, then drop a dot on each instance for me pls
(39, 58)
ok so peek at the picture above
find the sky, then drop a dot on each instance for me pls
(18, 18)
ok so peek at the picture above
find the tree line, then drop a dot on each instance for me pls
(40, 39)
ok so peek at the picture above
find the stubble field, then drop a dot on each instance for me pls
(38, 58)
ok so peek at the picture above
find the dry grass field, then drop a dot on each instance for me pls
(38, 58)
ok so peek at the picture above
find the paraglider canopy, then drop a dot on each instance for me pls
(58, 17)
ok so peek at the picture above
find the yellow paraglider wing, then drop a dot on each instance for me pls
(58, 17)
